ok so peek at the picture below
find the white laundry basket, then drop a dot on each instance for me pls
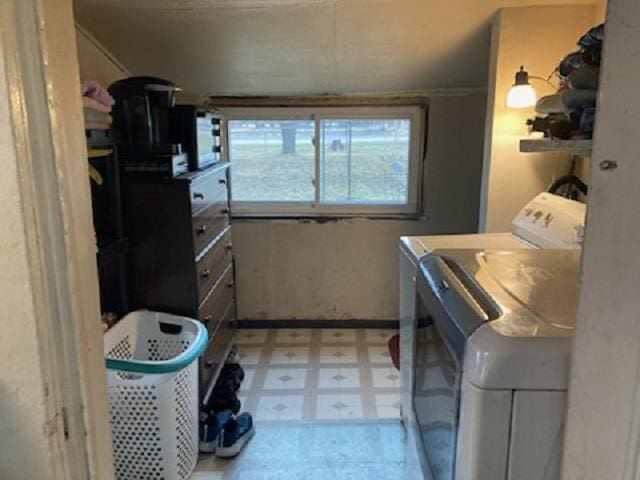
(152, 376)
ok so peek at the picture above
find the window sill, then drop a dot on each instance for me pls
(326, 218)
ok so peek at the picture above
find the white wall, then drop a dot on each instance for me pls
(538, 38)
(347, 269)
(290, 47)
(98, 63)
(95, 61)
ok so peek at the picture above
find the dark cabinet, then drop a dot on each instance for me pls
(107, 222)
(180, 254)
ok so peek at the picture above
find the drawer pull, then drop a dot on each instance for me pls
(230, 283)
(199, 195)
(201, 229)
(206, 273)
(222, 181)
(229, 246)
(209, 363)
(207, 319)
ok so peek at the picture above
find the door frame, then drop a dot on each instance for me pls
(46, 123)
(602, 435)
(40, 64)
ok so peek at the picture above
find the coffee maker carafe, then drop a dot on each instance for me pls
(141, 114)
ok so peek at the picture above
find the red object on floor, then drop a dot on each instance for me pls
(394, 350)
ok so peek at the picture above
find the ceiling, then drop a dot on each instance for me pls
(288, 47)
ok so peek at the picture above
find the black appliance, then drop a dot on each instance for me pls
(197, 129)
(141, 117)
(163, 165)
(141, 112)
(108, 224)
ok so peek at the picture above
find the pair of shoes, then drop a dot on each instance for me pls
(232, 371)
(224, 434)
(210, 428)
(234, 436)
(231, 377)
(223, 396)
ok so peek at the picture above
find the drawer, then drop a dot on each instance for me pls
(213, 264)
(213, 307)
(211, 189)
(219, 345)
(209, 223)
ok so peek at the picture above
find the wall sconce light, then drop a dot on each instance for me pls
(521, 94)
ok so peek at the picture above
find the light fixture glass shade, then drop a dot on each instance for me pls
(521, 96)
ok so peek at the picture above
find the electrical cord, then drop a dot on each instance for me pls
(571, 184)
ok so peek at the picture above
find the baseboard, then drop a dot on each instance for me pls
(385, 324)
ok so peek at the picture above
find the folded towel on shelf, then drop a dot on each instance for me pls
(96, 116)
(549, 104)
(594, 36)
(569, 64)
(92, 89)
(584, 78)
(99, 152)
(588, 120)
(97, 126)
(570, 102)
(88, 102)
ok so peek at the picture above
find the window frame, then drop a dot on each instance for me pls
(415, 113)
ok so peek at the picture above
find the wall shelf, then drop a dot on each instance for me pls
(578, 147)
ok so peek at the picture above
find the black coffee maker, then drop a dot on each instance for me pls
(141, 114)
(141, 118)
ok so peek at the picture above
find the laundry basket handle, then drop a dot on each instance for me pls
(164, 366)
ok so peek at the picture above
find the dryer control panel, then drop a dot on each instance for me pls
(551, 221)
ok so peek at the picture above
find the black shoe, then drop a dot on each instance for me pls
(211, 426)
(234, 435)
(228, 382)
(223, 398)
(232, 369)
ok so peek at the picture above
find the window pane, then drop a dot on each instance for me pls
(365, 161)
(272, 160)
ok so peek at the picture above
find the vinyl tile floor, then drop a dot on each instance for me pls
(326, 406)
(348, 451)
(318, 375)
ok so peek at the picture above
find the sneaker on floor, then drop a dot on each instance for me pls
(232, 370)
(211, 426)
(229, 381)
(223, 398)
(235, 434)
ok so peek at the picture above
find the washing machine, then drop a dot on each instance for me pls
(546, 222)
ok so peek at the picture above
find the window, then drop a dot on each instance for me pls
(324, 161)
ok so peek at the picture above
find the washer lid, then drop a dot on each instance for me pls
(419, 246)
(526, 342)
(534, 291)
(537, 291)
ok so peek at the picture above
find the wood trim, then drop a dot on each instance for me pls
(319, 101)
(46, 110)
